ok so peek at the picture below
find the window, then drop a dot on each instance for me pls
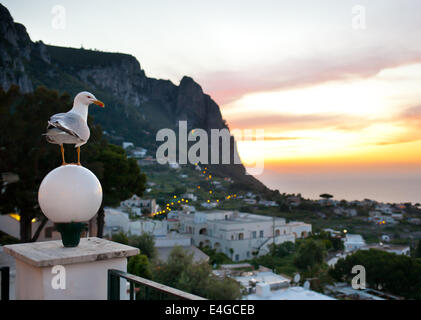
(237, 257)
(241, 236)
(261, 233)
(254, 234)
(248, 254)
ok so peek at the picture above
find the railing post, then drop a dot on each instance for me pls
(113, 286)
(132, 289)
(5, 277)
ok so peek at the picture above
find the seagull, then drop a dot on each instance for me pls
(71, 127)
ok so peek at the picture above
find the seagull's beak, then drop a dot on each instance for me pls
(98, 103)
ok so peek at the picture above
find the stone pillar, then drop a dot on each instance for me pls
(85, 269)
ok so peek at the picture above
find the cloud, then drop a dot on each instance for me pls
(409, 121)
(271, 138)
(285, 122)
(411, 114)
(228, 86)
(397, 141)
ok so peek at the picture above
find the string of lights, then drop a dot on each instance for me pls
(174, 202)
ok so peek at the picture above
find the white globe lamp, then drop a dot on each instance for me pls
(70, 195)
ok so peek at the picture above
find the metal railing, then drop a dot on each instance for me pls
(143, 289)
(5, 278)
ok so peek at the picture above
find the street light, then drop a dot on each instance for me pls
(69, 196)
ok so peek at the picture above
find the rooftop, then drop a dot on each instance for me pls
(354, 238)
(386, 247)
(164, 252)
(262, 277)
(291, 293)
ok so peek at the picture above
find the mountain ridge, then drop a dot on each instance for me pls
(137, 106)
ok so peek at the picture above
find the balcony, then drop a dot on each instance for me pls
(95, 270)
(144, 289)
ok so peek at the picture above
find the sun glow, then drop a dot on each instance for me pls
(359, 119)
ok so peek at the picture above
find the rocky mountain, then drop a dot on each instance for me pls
(136, 106)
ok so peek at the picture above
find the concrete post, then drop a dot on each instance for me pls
(49, 271)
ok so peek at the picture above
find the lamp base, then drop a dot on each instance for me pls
(70, 233)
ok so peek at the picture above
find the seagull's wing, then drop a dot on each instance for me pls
(71, 123)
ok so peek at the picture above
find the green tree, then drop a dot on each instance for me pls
(182, 273)
(139, 266)
(310, 255)
(225, 289)
(120, 238)
(179, 190)
(231, 250)
(146, 244)
(326, 196)
(417, 253)
(396, 274)
(215, 257)
(331, 243)
(283, 249)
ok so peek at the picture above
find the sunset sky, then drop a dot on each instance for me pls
(334, 101)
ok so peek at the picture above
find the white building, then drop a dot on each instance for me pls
(209, 205)
(174, 165)
(349, 212)
(382, 219)
(267, 285)
(263, 292)
(333, 233)
(127, 145)
(332, 261)
(138, 153)
(171, 239)
(239, 234)
(268, 203)
(190, 196)
(115, 221)
(249, 280)
(188, 209)
(384, 208)
(353, 242)
(397, 216)
(157, 228)
(398, 249)
(385, 238)
(137, 204)
(250, 201)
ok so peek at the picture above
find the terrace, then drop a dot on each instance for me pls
(95, 270)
